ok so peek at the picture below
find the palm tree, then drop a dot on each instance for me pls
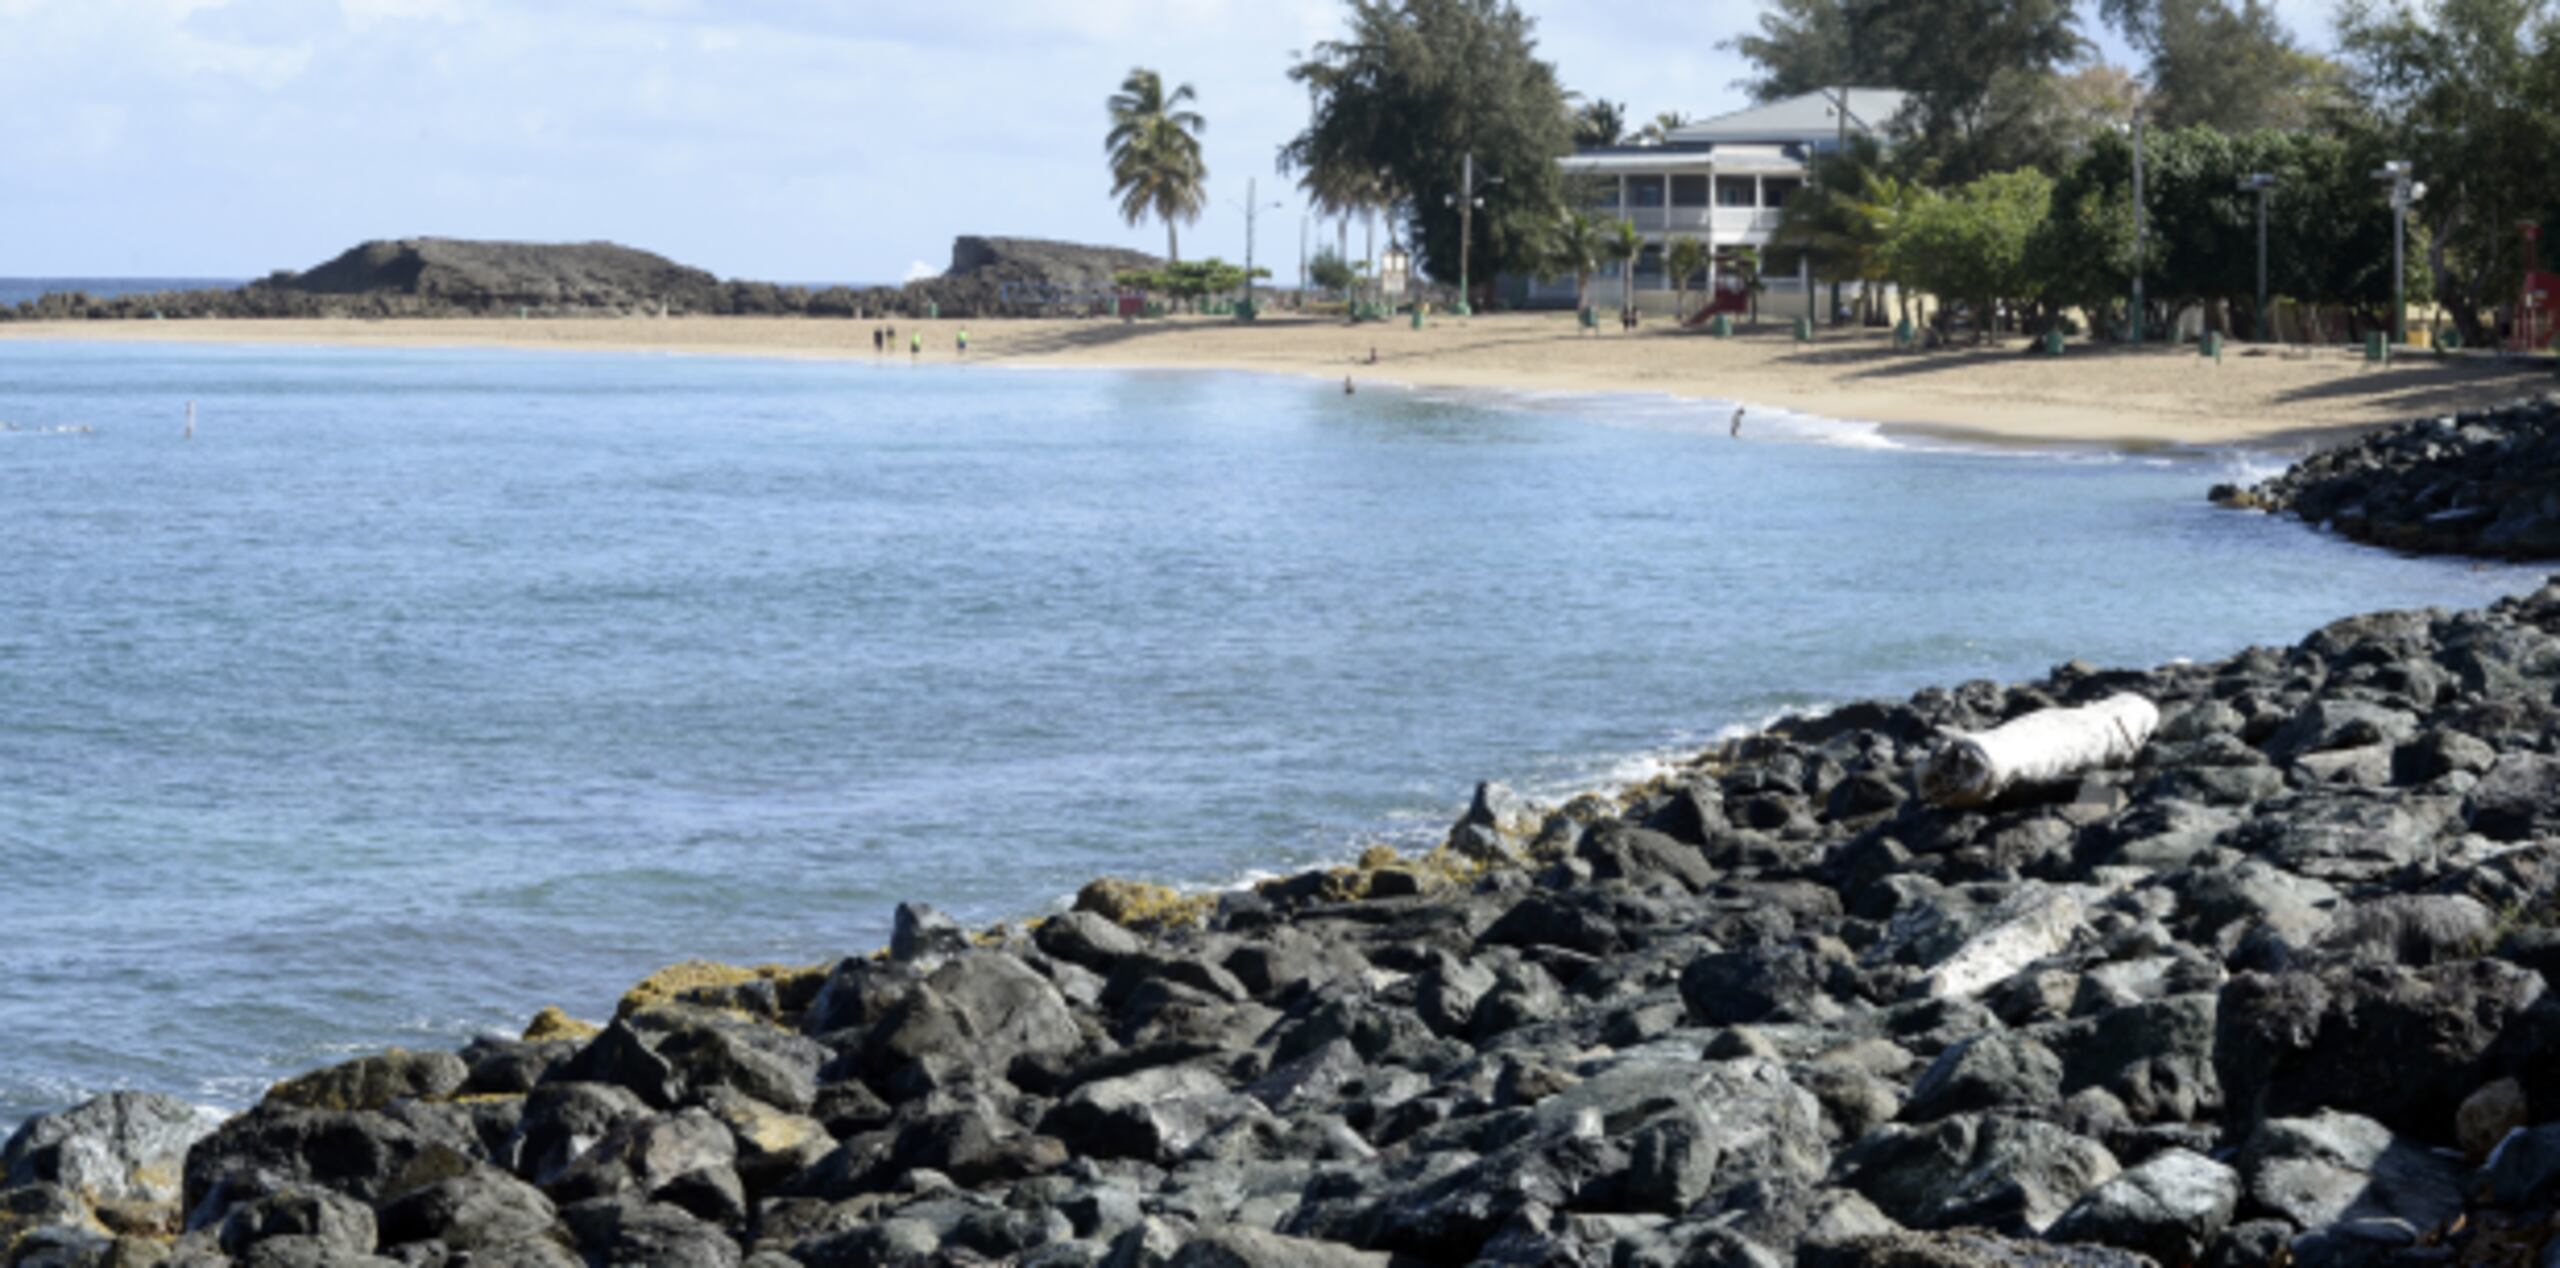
(1626, 242)
(1685, 257)
(1599, 122)
(1663, 125)
(1155, 155)
(1878, 209)
(1340, 191)
(1847, 216)
(1575, 248)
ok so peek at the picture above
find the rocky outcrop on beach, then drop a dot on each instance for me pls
(2276, 990)
(2486, 483)
(449, 277)
(503, 276)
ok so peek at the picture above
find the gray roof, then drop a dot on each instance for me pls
(1808, 117)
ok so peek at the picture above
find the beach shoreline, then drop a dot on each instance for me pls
(2136, 400)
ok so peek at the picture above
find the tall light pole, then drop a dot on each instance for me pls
(2259, 183)
(1252, 207)
(1302, 261)
(2137, 226)
(2404, 194)
(1467, 203)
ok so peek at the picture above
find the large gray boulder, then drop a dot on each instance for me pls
(2015, 1175)
(2171, 1207)
(2402, 1045)
(2333, 1168)
(120, 1147)
(1990, 1071)
(1155, 1115)
(480, 1210)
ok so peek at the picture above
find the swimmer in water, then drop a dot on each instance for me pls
(1346, 385)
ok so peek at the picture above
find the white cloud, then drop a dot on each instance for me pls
(919, 270)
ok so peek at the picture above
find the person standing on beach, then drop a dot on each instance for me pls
(915, 345)
(964, 341)
(879, 342)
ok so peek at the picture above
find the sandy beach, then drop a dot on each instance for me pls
(2091, 396)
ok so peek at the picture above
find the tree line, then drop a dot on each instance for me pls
(2005, 181)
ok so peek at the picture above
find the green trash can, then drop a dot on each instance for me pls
(1417, 316)
(932, 311)
(2053, 343)
(2210, 345)
(1723, 326)
(1588, 317)
(1804, 330)
(2377, 348)
(2449, 339)
(1903, 334)
(1461, 309)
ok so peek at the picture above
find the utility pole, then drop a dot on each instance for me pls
(2137, 226)
(2404, 195)
(2260, 183)
(1840, 148)
(1251, 207)
(1302, 260)
(1466, 228)
(1467, 204)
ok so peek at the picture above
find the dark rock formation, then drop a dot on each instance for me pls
(449, 277)
(2215, 1008)
(2486, 482)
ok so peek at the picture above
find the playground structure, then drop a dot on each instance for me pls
(1729, 294)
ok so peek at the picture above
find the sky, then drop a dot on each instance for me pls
(784, 140)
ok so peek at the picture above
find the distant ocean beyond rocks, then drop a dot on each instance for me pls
(448, 277)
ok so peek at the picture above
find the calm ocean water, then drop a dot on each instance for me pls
(16, 290)
(426, 688)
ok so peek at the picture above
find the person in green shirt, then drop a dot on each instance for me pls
(964, 341)
(915, 345)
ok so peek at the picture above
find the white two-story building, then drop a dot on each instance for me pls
(1721, 181)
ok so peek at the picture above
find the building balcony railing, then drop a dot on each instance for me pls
(1731, 224)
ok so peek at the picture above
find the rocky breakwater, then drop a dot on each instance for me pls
(2484, 483)
(2274, 991)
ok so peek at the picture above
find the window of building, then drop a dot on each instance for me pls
(1734, 191)
(1774, 193)
(1644, 191)
(1649, 263)
(1688, 191)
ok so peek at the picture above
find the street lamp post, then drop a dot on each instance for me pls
(2137, 227)
(1467, 203)
(1252, 207)
(2259, 183)
(2404, 194)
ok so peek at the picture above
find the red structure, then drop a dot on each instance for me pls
(2536, 307)
(1731, 294)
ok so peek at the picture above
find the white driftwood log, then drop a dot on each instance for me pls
(2042, 747)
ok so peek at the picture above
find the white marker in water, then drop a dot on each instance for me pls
(191, 420)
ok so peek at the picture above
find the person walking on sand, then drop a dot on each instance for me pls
(915, 345)
(964, 341)
(879, 342)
